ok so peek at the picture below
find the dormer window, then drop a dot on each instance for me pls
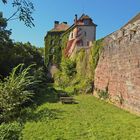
(86, 21)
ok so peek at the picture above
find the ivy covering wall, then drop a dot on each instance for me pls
(96, 51)
(53, 51)
(76, 74)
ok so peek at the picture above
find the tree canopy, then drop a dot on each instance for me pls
(12, 54)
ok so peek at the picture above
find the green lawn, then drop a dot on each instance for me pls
(91, 119)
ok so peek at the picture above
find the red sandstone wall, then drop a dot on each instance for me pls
(119, 67)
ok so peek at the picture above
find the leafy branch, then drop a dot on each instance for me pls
(24, 11)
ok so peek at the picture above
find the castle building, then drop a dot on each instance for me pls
(53, 43)
(82, 34)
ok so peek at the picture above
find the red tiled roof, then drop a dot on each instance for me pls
(60, 27)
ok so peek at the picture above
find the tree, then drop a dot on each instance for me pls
(12, 55)
(6, 46)
(24, 10)
(4, 34)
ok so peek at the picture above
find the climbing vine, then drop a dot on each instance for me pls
(76, 73)
(96, 51)
(53, 51)
(64, 40)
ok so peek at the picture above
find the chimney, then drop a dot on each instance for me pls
(75, 20)
(65, 22)
(56, 23)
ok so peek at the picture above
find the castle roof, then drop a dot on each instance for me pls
(60, 27)
(84, 17)
(79, 22)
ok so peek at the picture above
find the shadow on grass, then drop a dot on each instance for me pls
(44, 115)
(47, 93)
(44, 94)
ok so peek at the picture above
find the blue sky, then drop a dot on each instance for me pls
(109, 15)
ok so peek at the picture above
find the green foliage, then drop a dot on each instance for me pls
(53, 51)
(55, 42)
(12, 54)
(41, 51)
(64, 40)
(103, 94)
(81, 62)
(47, 40)
(61, 80)
(76, 74)
(40, 75)
(68, 71)
(78, 69)
(11, 131)
(79, 85)
(15, 92)
(24, 11)
(91, 119)
(27, 53)
(74, 85)
(96, 51)
(80, 55)
(4, 33)
(68, 67)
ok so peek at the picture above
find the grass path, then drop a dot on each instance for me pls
(91, 119)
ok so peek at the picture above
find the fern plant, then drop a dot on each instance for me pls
(14, 92)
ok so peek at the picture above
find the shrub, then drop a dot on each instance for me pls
(103, 95)
(68, 67)
(68, 71)
(10, 131)
(15, 92)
